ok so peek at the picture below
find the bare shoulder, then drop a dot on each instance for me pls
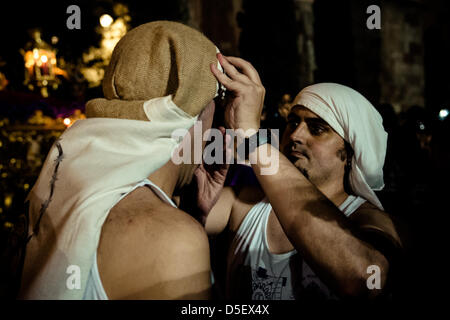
(141, 214)
(151, 250)
(369, 217)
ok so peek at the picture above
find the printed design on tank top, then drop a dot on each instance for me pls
(265, 286)
(312, 287)
(261, 278)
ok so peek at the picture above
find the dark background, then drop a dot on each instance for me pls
(266, 33)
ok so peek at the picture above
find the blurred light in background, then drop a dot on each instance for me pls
(106, 20)
(421, 126)
(8, 200)
(443, 114)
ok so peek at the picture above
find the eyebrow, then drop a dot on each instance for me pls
(315, 120)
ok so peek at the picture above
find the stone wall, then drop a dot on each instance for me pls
(402, 54)
(333, 43)
(305, 41)
(366, 51)
(218, 21)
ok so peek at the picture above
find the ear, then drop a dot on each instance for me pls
(342, 154)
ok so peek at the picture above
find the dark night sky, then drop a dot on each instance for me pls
(16, 17)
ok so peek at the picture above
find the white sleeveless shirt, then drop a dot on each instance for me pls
(253, 271)
(94, 288)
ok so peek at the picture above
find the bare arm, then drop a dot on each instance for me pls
(313, 224)
(317, 229)
(218, 217)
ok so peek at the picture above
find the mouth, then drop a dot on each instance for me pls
(298, 154)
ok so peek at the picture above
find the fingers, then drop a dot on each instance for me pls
(199, 171)
(228, 150)
(226, 146)
(224, 79)
(246, 68)
(232, 78)
(222, 130)
(231, 70)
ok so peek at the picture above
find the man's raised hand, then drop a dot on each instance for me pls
(244, 104)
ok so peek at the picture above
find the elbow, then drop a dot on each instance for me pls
(369, 282)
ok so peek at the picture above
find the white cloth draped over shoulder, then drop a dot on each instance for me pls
(355, 119)
(94, 162)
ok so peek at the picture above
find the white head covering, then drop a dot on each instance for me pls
(355, 119)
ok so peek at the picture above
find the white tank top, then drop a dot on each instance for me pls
(94, 288)
(253, 271)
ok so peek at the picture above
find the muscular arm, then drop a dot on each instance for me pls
(314, 225)
(218, 217)
(317, 229)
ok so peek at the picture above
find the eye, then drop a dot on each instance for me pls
(317, 129)
(293, 123)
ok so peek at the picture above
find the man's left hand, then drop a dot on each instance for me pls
(210, 180)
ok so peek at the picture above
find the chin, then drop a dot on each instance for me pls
(301, 168)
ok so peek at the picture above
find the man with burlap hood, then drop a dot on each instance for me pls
(102, 220)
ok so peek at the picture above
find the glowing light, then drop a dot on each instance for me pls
(8, 201)
(44, 58)
(30, 57)
(106, 20)
(67, 121)
(8, 225)
(443, 114)
(35, 54)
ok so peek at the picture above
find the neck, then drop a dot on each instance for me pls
(166, 178)
(335, 192)
(171, 177)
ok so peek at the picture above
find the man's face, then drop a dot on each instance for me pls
(313, 147)
(206, 119)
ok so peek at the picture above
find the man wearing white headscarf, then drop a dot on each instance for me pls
(102, 220)
(313, 229)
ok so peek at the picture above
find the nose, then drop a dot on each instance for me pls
(299, 134)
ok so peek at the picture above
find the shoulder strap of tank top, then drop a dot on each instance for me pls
(255, 216)
(161, 194)
(351, 204)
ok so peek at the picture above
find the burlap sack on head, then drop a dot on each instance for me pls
(154, 60)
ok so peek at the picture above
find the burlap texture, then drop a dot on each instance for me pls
(154, 60)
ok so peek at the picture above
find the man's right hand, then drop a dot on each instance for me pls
(244, 105)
